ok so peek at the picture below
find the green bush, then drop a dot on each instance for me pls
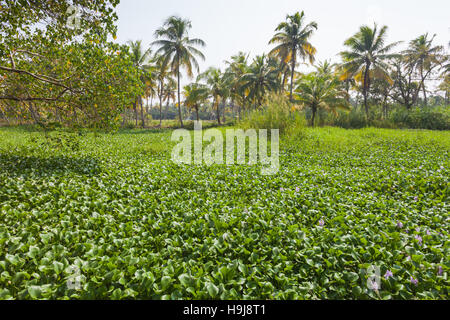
(431, 118)
(275, 113)
(355, 119)
(421, 118)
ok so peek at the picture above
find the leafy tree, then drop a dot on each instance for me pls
(178, 50)
(381, 90)
(292, 39)
(367, 57)
(406, 89)
(422, 55)
(317, 90)
(53, 73)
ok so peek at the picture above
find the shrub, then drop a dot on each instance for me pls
(431, 118)
(354, 119)
(421, 118)
(275, 113)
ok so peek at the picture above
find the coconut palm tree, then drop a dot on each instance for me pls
(161, 74)
(292, 39)
(326, 68)
(317, 90)
(170, 89)
(366, 57)
(237, 67)
(218, 87)
(141, 60)
(149, 89)
(421, 54)
(178, 50)
(195, 94)
(260, 78)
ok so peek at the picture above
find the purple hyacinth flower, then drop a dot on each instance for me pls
(414, 281)
(440, 271)
(374, 285)
(399, 225)
(321, 222)
(388, 274)
(416, 198)
(297, 189)
(418, 238)
(428, 233)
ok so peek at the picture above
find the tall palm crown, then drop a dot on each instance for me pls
(292, 38)
(138, 55)
(422, 55)
(261, 77)
(326, 68)
(366, 57)
(178, 50)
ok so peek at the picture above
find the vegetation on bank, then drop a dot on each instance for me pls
(79, 77)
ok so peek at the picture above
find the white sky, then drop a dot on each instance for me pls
(230, 26)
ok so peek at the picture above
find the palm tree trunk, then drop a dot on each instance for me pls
(425, 100)
(347, 89)
(292, 74)
(217, 111)
(196, 111)
(179, 94)
(365, 90)
(283, 84)
(160, 111)
(313, 118)
(160, 104)
(224, 107)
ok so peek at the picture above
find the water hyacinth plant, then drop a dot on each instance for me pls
(113, 209)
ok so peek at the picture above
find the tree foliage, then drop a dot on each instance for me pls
(56, 71)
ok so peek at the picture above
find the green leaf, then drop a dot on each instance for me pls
(35, 292)
(58, 267)
(185, 279)
(212, 289)
(165, 282)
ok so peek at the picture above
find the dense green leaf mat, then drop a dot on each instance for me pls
(138, 226)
